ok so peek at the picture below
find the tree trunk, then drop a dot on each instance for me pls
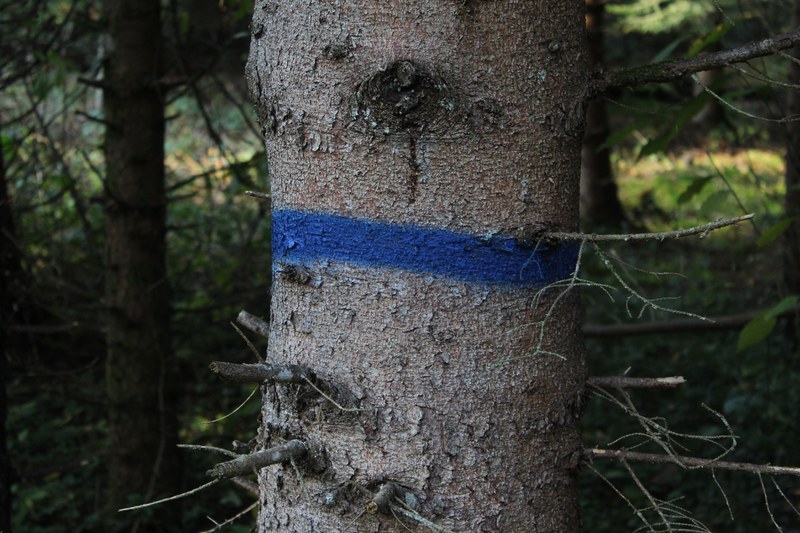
(9, 270)
(600, 205)
(415, 149)
(792, 200)
(143, 461)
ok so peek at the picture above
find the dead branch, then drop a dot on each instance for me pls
(171, 498)
(673, 326)
(625, 382)
(250, 486)
(689, 462)
(253, 323)
(208, 449)
(703, 230)
(415, 516)
(220, 525)
(246, 464)
(380, 502)
(261, 372)
(258, 195)
(680, 68)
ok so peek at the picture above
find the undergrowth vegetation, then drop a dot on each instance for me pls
(753, 388)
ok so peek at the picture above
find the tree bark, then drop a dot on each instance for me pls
(143, 460)
(600, 205)
(411, 147)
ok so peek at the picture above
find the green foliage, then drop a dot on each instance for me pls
(695, 187)
(775, 231)
(218, 264)
(674, 125)
(753, 388)
(726, 273)
(710, 39)
(658, 16)
(760, 327)
(218, 261)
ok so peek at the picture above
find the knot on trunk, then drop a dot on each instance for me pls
(403, 95)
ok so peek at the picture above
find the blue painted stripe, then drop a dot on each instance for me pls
(301, 238)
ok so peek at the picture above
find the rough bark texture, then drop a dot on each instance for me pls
(600, 205)
(464, 116)
(142, 425)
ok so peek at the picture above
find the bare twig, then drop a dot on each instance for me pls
(415, 516)
(693, 462)
(250, 486)
(656, 430)
(724, 495)
(171, 498)
(739, 110)
(260, 372)
(766, 502)
(208, 449)
(633, 294)
(334, 402)
(235, 517)
(653, 502)
(783, 495)
(246, 464)
(658, 236)
(258, 195)
(259, 357)
(619, 493)
(253, 323)
(683, 324)
(680, 68)
(223, 417)
(625, 382)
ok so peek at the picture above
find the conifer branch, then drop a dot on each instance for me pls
(680, 68)
(656, 236)
(689, 462)
(171, 498)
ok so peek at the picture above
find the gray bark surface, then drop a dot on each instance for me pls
(446, 399)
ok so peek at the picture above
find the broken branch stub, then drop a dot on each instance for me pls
(380, 503)
(253, 323)
(261, 372)
(246, 464)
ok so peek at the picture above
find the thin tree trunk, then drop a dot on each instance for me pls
(600, 205)
(792, 200)
(9, 268)
(412, 148)
(143, 462)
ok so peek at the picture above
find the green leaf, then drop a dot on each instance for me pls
(755, 331)
(619, 137)
(775, 231)
(694, 188)
(684, 115)
(667, 50)
(715, 204)
(761, 326)
(784, 305)
(709, 39)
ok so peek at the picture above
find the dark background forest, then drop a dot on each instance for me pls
(657, 158)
